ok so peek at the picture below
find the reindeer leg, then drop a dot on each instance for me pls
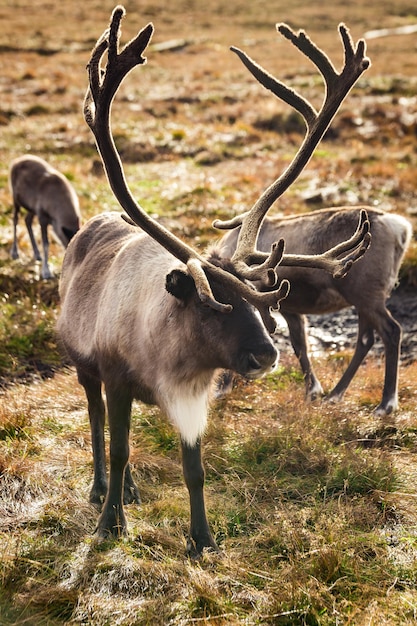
(96, 413)
(112, 520)
(130, 491)
(29, 221)
(390, 332)
(200, 534)
(15, 250)
(364, 343)
(46, 272)
(297, 328)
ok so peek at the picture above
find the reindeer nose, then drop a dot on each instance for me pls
(266, 358)
(262, 362)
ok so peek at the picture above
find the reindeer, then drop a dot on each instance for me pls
(43, 191)
(313, 291)
(150, 318)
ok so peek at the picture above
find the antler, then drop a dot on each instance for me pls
(357, 245)
(103, 86)
(337, 87)
(329, 261)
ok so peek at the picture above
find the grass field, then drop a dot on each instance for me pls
(313, 505)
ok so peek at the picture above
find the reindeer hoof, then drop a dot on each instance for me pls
(333, 398)
(195, 550)
(98, 494)
(131, 494)
(116, 531)
(314, 394)
(385, 409)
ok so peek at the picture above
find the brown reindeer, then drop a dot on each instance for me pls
(46, 193)
(366, 287)
(150, 318)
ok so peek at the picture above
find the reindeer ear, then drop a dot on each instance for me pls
(179, 284)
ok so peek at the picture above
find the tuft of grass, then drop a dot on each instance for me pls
(37, 109)
(282, 123)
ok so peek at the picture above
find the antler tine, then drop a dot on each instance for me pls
(264, 303)
(279, 89)
(357, 245)
(337, 87)
(103, 86)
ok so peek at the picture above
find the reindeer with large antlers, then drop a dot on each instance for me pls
(149, 317)
(313, 291)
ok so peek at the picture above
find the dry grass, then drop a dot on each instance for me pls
(314, 506)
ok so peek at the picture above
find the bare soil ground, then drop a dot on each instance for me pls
(337, 331)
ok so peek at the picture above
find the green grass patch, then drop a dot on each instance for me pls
(28, 344)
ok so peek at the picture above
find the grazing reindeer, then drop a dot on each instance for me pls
(146, 315)
(43, 191)
(366, 287)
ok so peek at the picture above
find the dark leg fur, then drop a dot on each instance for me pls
(130, 490)
(29, 221)
(200, 534)
(96, 414)
(15, 249)
(364, 343)
(389, 330)
(44, 222)
(96, 411)
(112, 520)
(297, 328)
